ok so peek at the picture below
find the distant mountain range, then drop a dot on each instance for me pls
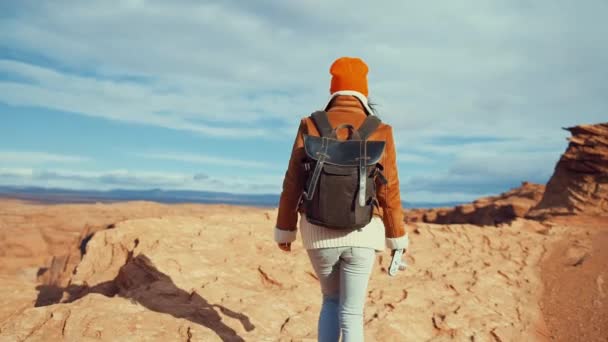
(54, 195)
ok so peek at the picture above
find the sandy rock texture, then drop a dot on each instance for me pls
(221, 277)
(579, 184)
(575, 278)
(492, 210)
(32, 235)
(16, 295)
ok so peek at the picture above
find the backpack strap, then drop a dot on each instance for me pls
(362, 172)
(369, 125)
(322, 122)
(312, 182)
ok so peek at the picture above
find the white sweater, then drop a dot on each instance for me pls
(314, 236)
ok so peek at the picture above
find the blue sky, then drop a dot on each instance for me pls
(207, 95)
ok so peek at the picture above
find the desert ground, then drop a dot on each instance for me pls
(147, 271)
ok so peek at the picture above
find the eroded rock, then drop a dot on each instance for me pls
(493, 210)
(579, 184)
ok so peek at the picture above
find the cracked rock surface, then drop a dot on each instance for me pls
(213, 273)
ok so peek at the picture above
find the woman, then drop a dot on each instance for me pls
(343, 259)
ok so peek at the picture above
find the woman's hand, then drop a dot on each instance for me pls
(285, 246)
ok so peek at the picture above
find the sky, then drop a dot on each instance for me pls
(207, 95)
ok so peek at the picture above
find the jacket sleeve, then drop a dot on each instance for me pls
(293, 184)
(389, 198)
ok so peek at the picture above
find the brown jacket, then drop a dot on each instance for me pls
(345, 109)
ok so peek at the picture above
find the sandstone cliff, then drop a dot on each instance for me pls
(579, 184)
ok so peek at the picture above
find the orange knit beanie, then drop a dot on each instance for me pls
(349, 73)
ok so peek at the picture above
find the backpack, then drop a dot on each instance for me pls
(340, 188)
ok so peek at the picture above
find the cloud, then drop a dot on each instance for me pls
(454, 151)
(30, 157)
(414, 158)
(15, 173)
(204, 159)
(114, 100)
(435, 69)
(459, 82)
(485, 173)
(140, 180)
(200, 176)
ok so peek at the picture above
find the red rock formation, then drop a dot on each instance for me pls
(579, 184)
(484, 211)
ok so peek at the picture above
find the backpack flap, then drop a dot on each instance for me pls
(343, 152)
(353, 153)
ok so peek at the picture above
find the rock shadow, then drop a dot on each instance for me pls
(141, 282)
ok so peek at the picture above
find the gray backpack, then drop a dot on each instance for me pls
(340, 188)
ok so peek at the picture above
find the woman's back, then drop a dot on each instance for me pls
(343, 258)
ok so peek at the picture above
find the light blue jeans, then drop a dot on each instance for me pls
(344, 273)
